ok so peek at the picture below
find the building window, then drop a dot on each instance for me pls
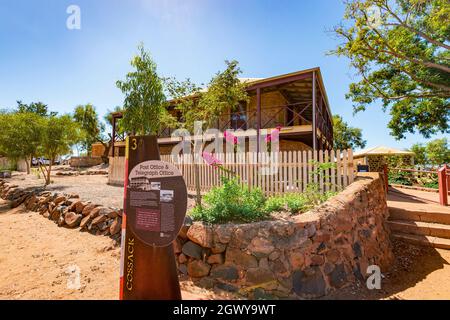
(239, 117)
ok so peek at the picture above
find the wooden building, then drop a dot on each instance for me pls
(296, 102)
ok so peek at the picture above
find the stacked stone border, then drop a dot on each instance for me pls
(66, 210)
(307, 256)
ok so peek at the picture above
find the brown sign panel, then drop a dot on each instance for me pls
(155, 203)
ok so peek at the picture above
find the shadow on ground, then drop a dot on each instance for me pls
(413, 264)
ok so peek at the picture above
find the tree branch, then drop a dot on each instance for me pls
(410, 28)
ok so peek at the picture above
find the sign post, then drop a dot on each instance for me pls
(155, 203)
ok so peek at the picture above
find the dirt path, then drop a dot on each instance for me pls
(38, 259)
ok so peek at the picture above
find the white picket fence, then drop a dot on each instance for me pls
(273, 173)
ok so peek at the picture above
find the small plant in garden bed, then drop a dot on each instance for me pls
(231, 202)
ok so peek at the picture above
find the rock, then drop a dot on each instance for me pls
(218, 248)
(185, 228)
(87, 209)
(226, 286)
(261, 247)
(328, 268)
(59, 199)
(317, 260)
(61, 221)
(333, 255)
(239, 258)
(223, 233)
(95, 212)
(225, 272)
(31, 202)
(84, 222)
(207, 283)
(274, 255)
(56, 213)
(198, 269)
(112, 214)
(182, 258)
(357, 249)
(183, 269)
(297, 259)
(263, 263)
(79, 206)
(100, 219)
(310, 282)
(261, 294)
(259, 276)
(72, 219)
(193, 250)
(201, 234)
(73, 206)
(216, 259)
(338, 276)
(116, 226)
(73, 196)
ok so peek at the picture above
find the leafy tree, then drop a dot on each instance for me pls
(144, 104)
(87, 118)
(20, 136)
(225, 92)
(420, 154)
(38, 108)
(60, 133)
(184, 97)
(346, 137)
(438, 152)
(434, 153)
(400, 50)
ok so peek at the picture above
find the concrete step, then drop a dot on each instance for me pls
(428, 241)
(396, 213)
(420, 228)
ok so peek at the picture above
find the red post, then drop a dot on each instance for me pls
(386, 177)
(443, 186)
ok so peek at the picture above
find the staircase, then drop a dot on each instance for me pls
(415, 217)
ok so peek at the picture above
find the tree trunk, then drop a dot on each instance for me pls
(28, 165)
(47, 179)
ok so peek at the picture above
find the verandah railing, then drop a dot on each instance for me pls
(274, 173)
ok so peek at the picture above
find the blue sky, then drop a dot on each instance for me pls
(42, 60)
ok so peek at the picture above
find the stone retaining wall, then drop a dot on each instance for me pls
(308, 256)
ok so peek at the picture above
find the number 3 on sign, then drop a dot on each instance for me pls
(134, 144)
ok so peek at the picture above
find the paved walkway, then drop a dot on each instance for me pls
(415, 200)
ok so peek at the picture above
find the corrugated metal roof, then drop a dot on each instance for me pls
(382, 151)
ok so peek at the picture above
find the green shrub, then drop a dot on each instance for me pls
(400, 177)
(433, 185)
(231, 202)
(292, 202)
